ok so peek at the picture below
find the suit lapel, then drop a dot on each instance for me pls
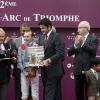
(20, 40)
(42, 40)
(88, 39)
(99, 76)
(6, 46)
(92, 75)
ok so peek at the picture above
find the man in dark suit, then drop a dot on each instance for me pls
(52, 65)
(5, 64)
(84, 48)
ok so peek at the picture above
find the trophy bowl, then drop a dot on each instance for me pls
(36, 55)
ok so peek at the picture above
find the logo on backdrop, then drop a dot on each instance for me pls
(34, 16)
(70, 66)
(4, 4)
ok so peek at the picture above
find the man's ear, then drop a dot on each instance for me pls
(49, 27)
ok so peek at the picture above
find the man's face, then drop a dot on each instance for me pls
(2, 37)
(82, 30)
(45, 29)
(27, 37)
(23, 30)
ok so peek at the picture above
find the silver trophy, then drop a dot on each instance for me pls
(36, 55)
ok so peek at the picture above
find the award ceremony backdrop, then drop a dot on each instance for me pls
(65, 16)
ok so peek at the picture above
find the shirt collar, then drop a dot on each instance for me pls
(48, 34)
(2, 47)
(86, 35)
(93, 70)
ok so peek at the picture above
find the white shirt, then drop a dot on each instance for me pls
(85, 37)
(2, 47)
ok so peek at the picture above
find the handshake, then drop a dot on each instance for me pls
(30, 72)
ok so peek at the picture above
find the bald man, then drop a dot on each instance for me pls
(84, 48)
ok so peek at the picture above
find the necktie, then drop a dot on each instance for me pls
(46, 40)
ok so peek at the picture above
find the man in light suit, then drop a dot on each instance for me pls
(93, 79)
(52, 65)
(18, 41)
(84, 48)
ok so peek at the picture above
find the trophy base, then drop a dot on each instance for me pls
(32, 65)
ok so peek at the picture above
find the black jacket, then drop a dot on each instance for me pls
(5, 64)
(55, 51)
(84, 54)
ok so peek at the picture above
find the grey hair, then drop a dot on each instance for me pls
(2, 31)
(84, 24)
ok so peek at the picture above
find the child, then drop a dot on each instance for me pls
(93, 80)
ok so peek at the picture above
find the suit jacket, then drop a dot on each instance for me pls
(92, 83)
(18, 41)
(5, 65)
(84, 54)
(55, 51)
